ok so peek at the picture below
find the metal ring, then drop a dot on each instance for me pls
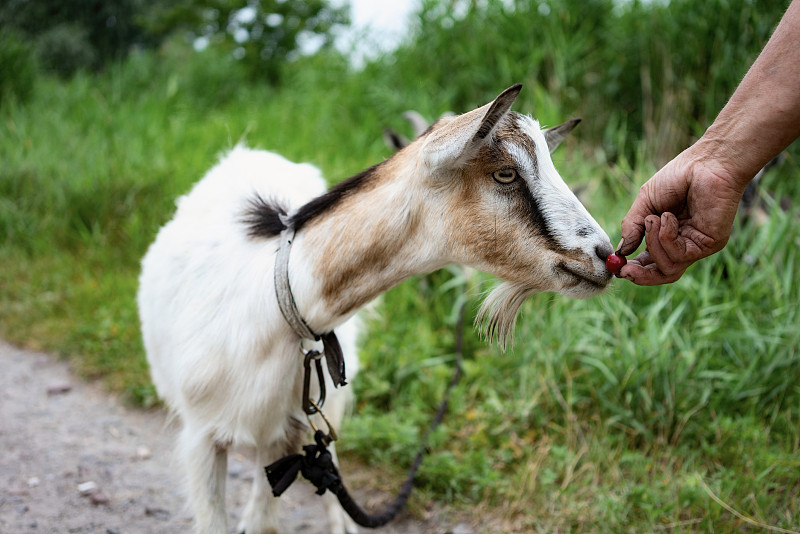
(331, 435)
(310, 407)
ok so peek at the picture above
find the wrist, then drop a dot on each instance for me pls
(720, 154)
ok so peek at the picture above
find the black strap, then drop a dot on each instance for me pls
(334, 358)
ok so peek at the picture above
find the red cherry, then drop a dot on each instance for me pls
(614, 263)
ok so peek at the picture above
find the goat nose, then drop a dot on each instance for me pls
(603, 251)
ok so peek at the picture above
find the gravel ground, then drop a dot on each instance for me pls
(74, 460)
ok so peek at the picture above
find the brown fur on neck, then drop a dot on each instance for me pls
(368, 238)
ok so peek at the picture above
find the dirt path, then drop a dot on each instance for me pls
(73, 460)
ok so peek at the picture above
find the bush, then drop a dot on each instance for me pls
(17, 68)
(65, 48)
(80, 34)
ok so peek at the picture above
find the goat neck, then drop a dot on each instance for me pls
(368, 242)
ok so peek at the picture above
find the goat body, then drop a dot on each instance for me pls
(478, 189)
(220, 353)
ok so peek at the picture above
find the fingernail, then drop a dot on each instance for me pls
(621, 242)
(647, 224)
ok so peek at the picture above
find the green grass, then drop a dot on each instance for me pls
(629, 412)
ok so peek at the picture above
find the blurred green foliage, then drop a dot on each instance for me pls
(88, 34)
(17, 67)
(656, 71)
(263, 34)
(79, 34)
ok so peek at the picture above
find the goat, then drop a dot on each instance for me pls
(478, 189)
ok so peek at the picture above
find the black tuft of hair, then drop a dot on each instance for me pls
(263, 217)
(327, 200)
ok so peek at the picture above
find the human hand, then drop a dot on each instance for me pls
(685, 212)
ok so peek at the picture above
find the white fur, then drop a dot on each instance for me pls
(211, 324)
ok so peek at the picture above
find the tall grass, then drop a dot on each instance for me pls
(609, 415)
(658, 70)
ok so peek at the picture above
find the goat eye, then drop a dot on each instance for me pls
(505, 176)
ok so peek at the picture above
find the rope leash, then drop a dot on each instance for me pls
(316, 464)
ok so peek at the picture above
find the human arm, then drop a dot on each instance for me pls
(685, 212)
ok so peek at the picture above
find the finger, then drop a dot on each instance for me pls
(652, 229)
(643, 258)
(669, 247)
(632, 232)
(698, 245)
(633, 225)
(653, 266)
(671, 242)
(647, 275)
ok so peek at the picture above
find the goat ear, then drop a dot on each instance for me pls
(394, 140)
(556, 134)
(417, 122)
(459, 139)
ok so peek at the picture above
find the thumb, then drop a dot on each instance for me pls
(633, 227)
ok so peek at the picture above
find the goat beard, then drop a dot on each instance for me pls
(498, 313)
